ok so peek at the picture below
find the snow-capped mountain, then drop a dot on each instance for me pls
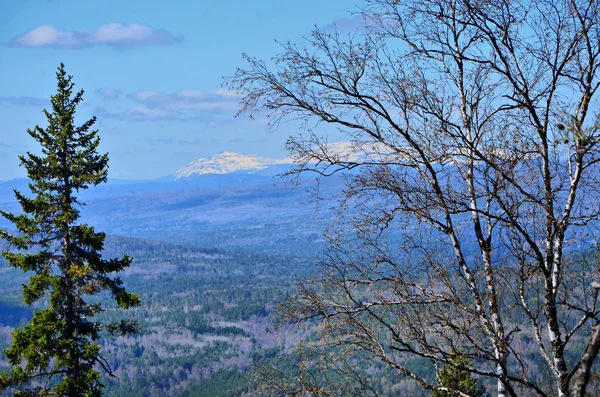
(229, 162)
(237, 163)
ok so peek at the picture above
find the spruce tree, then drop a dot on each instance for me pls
(452, 376)
(57, 352)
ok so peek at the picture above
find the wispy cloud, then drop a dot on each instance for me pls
(137, 113)
(198, 142)
(355, 22)
(24, 101)
(247, 141)
(185, 105)
(117, 35)
(162, 141)
(4, 145)
(190, 99)
(108, 94)
(220, 100)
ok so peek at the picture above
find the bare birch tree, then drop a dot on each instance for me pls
(478, 126)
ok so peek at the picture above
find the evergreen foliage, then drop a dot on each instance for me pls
(58, 348)
(451, 376)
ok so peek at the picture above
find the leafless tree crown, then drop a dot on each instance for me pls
(477, 126)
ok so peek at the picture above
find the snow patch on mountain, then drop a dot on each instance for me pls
(354, 151)
(229, 162)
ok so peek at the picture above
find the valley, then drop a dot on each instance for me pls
(213, 256)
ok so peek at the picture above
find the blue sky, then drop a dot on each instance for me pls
(152, 72)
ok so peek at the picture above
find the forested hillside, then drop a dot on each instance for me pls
(205, 317)
(274, 217)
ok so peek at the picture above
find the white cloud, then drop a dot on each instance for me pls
(346, 24)
(112, 34)
(109, 94)
(184, 105)
(137, 113)
(46, 35)
(25, 101)
(117, 33)
(189, 100)
(227, 93)
(192, 94)
(142, 111)
(209, 105)
(144, 96)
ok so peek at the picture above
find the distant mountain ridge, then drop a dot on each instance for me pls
(230, 162)
(238, 163)
(225, 169)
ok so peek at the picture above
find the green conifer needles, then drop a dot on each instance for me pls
(455, 378)
(57, 352)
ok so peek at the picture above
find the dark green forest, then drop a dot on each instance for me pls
(205, 318)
